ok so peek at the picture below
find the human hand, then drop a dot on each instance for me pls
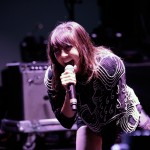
(68, 77)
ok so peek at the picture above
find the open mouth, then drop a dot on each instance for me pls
(70, 63)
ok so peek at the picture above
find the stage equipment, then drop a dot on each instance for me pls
(26, 96)
(40, 134)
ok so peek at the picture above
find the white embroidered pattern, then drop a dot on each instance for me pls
(132, 112)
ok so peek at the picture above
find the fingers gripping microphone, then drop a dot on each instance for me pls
(71, 90)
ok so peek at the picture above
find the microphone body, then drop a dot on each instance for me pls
(72, 91)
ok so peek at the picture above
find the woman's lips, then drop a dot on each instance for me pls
(70, 63)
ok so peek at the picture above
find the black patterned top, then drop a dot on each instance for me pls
(102, 100)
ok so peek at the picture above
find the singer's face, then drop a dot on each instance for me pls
(69, 55)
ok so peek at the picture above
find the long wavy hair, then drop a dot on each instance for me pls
(72, 33)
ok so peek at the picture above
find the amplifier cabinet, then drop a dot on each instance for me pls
(26, 96)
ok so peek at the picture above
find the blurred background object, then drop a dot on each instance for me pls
(33, 46)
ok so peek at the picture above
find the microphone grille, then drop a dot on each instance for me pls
(69, 67)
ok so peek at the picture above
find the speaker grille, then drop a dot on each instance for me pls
(25, 93)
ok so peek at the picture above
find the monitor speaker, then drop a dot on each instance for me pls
(26, 96)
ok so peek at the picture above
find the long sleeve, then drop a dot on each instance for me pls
(127, 97)
(56, 100)
(127, 100)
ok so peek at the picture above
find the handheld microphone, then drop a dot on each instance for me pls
(71, 90)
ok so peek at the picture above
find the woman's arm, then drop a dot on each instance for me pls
(59, 102)
(144, 120)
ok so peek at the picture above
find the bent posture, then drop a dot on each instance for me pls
(106, 105)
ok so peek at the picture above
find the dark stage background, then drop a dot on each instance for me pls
(123, 26)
